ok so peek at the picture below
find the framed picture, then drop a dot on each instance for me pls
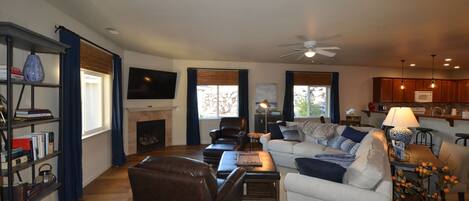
(266, 91)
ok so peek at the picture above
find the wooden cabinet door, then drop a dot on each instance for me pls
(437, 91)
(449, 91)
(420, 85)
(397, 92)
(409, 91)
(463, 91)
(382, 90)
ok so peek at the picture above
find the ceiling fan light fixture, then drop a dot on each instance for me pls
(310, 53)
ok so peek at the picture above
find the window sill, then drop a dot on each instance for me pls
(92, 135)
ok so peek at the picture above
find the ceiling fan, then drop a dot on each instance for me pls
(309, 48)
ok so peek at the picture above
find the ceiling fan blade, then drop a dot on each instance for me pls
(288, 54)
(328, 48)
(300, 57)
(302, 37)
(325, 53)
(290, 44)
(329, 37)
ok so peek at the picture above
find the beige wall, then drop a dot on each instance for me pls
(41, 17)
(355, 86)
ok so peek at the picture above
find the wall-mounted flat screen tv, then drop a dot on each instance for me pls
(151, 84)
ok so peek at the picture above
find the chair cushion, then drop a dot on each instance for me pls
(275, 132)
(281, 146)
(353, 134)
(320, 169)
(367, 170)
(308, 149)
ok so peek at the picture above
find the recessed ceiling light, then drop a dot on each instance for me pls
(448, 59)
(412, 65)
(446, 64)
(112, 31)
(457, 67)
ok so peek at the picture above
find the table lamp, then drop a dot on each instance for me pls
(402, 118)
(265, 104)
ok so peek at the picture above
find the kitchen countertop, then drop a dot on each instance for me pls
(449, 118)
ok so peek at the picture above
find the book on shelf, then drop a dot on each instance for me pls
(36, 145)
(15, 153)
(15, 162)
(16, 73)
(33, 114)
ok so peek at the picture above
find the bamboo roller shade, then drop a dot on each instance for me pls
(217, 77)
(92, 58)
(312, 78)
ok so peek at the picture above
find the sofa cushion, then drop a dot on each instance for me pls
(290, 133)
(281, 146)
(320, 169)
(367, 170)
(354, 134)
(308, 149)
(275, 132)
(330, 150)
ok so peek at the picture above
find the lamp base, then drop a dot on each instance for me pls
(401, 134)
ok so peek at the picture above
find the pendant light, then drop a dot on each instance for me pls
(433, 69)
(402, 75)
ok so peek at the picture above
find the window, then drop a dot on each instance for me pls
(311, 101)
(92, 101)
(216, 101)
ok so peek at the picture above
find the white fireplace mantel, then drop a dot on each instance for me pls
(150, 108)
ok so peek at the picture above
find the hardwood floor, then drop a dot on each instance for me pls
(113, 185)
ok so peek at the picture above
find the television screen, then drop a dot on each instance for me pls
(151, 84)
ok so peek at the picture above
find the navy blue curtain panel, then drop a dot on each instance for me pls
(288, 110)
(244, 96)
(71, 172)
(192, 128)
(118, 155)
(335, 107)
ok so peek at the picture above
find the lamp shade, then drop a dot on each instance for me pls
(401, 117)
(264, 104)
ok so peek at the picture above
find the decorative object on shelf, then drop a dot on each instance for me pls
(418, 189)
(45, 176)
(401, 118)
(265, 104)
(433, 85)
(33, 70)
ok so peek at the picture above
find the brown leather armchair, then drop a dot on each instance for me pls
(180, 178)
(232, 130)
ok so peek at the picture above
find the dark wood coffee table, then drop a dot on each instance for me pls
(261, 182)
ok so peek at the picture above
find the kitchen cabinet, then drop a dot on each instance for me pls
(463, 91)
(387, 90)
(382, 90)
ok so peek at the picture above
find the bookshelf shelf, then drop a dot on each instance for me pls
(45, 192)
(31, 163)
(22, 124)
(17, 37)
(35, 84)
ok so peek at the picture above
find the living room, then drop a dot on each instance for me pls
(365, 43)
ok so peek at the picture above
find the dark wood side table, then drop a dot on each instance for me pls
(262, 182)
(417, 153)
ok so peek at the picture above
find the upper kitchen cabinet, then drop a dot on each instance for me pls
(382, 90)
(449, 91)
(463, 91)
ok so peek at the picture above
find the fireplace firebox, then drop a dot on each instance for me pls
(150, 135)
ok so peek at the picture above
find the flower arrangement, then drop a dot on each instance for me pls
(415, 189)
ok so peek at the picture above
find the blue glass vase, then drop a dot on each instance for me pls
(32, 69)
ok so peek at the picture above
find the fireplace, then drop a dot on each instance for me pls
(150, 135)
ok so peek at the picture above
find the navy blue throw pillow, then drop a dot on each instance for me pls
(354, 135)
(275, 132)
(320, 169)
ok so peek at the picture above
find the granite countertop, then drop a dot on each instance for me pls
(447, 117)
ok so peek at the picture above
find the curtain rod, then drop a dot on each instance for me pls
(57, 28)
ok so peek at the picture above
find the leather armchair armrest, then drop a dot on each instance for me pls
(232, 188)
(214, 134)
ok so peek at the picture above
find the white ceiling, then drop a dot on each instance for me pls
(372, 32)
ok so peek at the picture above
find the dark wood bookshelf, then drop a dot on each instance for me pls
(16, 37)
